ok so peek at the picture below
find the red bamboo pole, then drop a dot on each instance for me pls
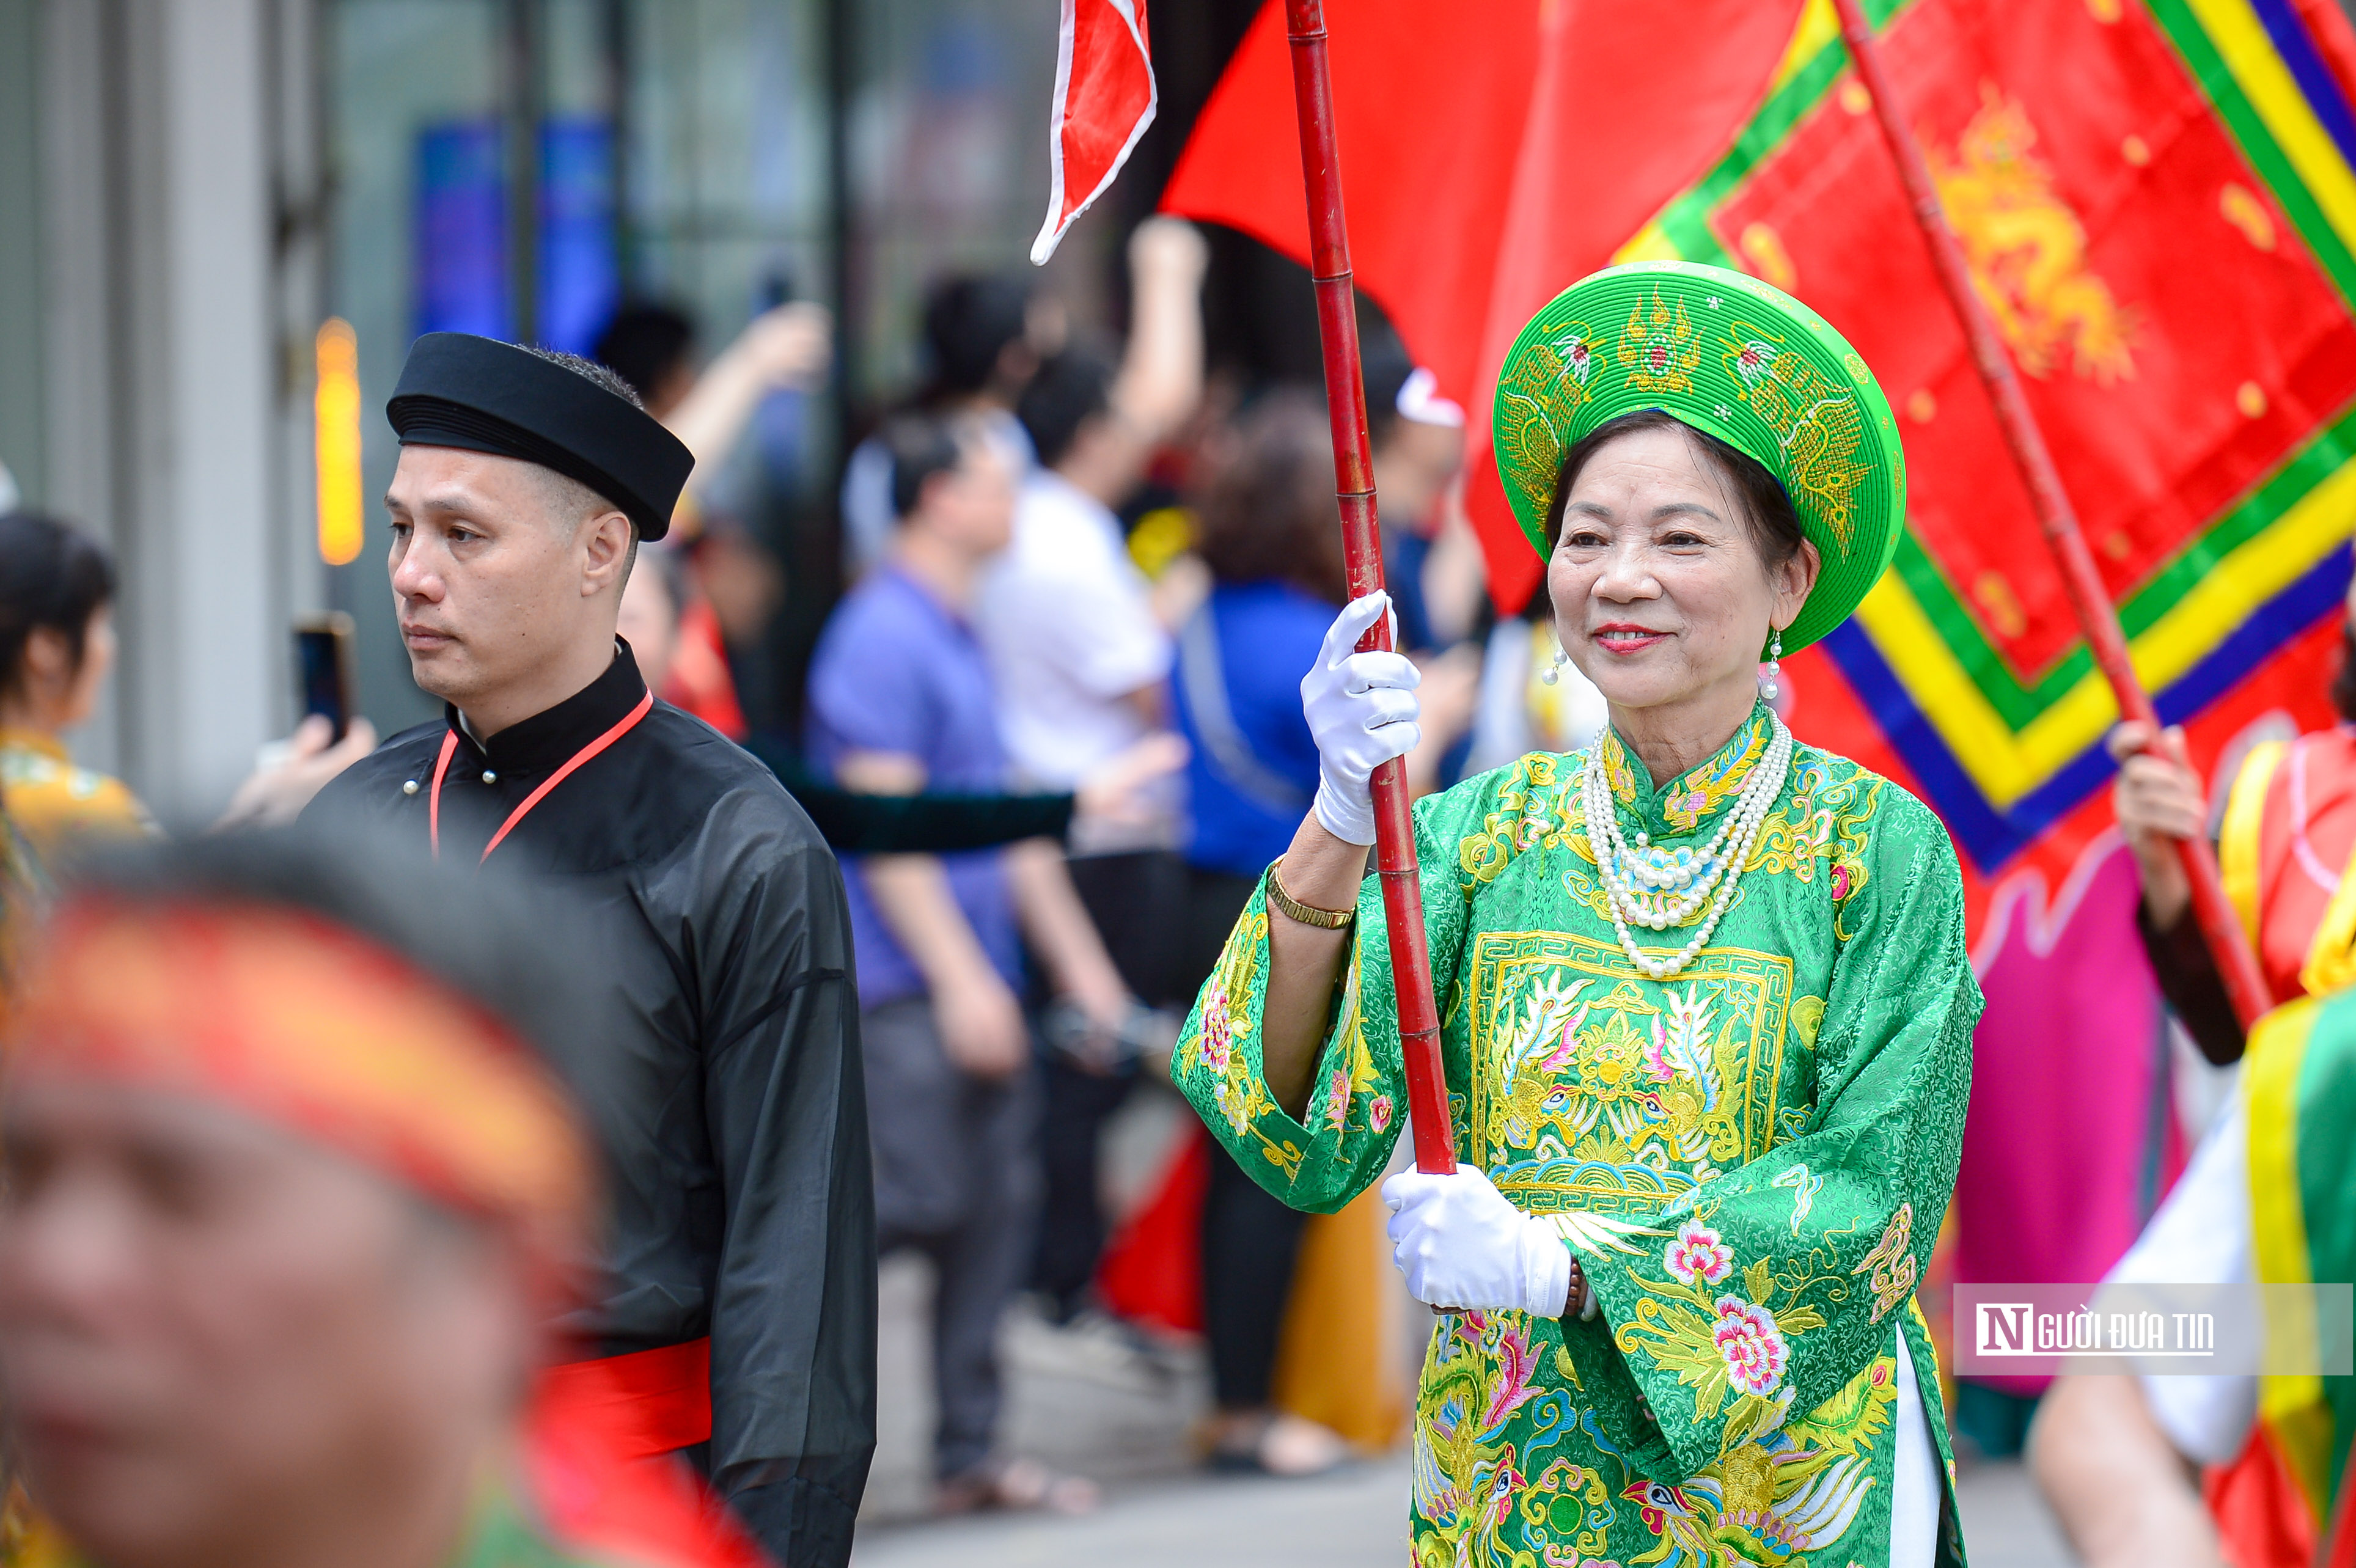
(2219, 927)
(1362, 545)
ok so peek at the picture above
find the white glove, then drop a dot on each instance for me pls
(1461, 1243)
(1362, 709)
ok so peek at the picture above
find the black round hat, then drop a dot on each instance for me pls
(482, 395)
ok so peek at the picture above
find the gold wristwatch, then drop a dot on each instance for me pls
(1307, 915)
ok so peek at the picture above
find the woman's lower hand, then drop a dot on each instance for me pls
(1362, 709)
(1463, 1245)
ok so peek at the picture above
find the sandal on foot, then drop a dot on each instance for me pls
(1017, 1486)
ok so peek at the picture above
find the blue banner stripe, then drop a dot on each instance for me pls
(2321, 88)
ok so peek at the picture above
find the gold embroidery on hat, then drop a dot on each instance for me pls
(1815, 422)
(1660, 346)
(1539, 394)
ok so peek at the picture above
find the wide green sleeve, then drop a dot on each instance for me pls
(1768, 1289)
(1357, 1103)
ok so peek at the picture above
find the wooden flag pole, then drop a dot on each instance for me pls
(1362, 545)
(2244, 982)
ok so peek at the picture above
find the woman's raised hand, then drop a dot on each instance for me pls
(1362, 709)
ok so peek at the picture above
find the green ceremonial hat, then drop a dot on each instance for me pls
(1730, 355)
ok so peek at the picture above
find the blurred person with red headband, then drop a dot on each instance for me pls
(302, 1172)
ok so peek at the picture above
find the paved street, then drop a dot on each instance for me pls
(1340, 1522)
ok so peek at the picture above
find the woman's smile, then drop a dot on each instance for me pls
(1626, 637)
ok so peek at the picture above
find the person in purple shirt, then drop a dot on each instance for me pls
(900, 701)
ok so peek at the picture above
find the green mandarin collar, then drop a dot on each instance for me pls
(1690, 801)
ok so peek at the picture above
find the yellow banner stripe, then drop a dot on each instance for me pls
(1652, 243)
(2246, 815)
(1819, 24)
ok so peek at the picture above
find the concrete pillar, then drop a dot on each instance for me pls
(169, 368)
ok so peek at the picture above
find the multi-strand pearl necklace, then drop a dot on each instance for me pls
(1675, 888)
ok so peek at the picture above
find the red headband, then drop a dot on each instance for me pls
(298, 1021)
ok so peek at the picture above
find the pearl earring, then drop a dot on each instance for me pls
(1767, 685)
(1553, 672)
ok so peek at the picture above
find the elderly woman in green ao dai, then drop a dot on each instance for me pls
(1705, 1008)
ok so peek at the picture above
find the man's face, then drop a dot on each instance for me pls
(973, 503)
(1412, 468)
(209, 1329)
(490, 579)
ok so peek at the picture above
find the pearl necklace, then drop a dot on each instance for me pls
(1675, 889)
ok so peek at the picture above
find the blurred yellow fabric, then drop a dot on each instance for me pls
(53, 801)
(1339, 1360)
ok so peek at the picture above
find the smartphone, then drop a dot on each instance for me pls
(323, 667)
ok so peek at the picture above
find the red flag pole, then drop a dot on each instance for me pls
(2219, 927)
(1362, 545)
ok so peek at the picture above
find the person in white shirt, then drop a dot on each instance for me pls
(1074, 647)
(1078, 657)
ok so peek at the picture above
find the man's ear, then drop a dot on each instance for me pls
(605, 553)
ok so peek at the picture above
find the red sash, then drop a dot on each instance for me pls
(2263, 1519)
(642, 1405)
(604, 1436)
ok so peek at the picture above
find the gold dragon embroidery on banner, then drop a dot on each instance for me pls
(2027, 250)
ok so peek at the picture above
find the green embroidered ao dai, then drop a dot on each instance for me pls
(1750, 1159)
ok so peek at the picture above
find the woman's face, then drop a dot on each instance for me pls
(80, 697)
(1661, 597)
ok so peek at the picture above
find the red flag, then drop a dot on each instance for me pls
(1105, 98)
(1488, 167)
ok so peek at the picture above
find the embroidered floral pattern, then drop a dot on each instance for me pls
(1697, 794)
(1696, 1256)
(1754, 1351)
(1538, 399)
(1659, 347)
(1725, 1343)
(1818, 424)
